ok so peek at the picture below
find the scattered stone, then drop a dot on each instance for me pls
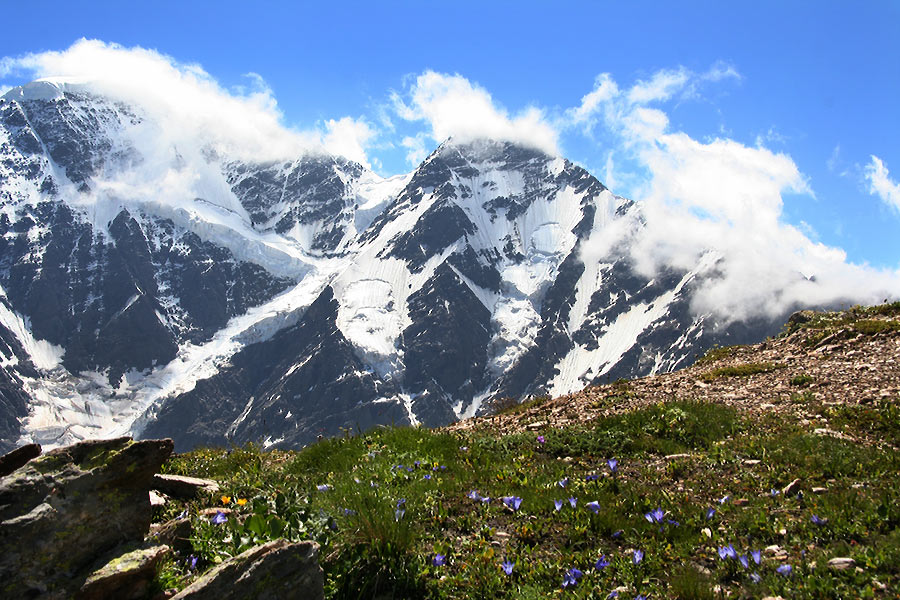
(773, 598)
(741, 502)
(125, 577)
(819, 490)
(62, 510)
(157, 499)
(536, 425)
(184, 488)
(791, 488)
(752, 461)
(211, 512)
(273, 571)
(773, 549)
(11, 461)
(677, 456)
(841, 563)
(175, 534)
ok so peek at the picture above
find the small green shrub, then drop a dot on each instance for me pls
(802, 380)
(744, 370)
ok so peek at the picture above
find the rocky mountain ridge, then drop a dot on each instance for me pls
(182, 291)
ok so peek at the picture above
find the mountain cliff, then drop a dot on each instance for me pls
(191, 292)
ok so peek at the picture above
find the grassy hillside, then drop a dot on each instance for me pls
(693, 497)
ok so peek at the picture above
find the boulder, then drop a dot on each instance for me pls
(126, 577)
(11, 461)
(278, 570)
(175, 533)
(185, 488)
(61, 511)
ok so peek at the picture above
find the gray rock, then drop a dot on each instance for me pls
(186, 488)
(792, 488)
(841, 563)
(279, 570)
(62, 510)
(126, 577)
(11, 461)
(175, 534)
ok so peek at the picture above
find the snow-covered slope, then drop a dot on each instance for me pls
(177, 290)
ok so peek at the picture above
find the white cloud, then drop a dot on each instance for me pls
(187, 103)
(723, 199)
(349, 138)
(661, 86)
(880, 183)
(452, 106)
(605, 89)
(417, 148)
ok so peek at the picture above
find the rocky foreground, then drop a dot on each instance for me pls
(820, 359)
(76, 523)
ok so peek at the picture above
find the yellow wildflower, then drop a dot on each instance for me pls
(226, 499)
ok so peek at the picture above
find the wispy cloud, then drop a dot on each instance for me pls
(453, 106)
(881, 184)
(724, 199)
(189, 104)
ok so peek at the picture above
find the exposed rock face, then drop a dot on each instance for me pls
(13, 460)
(125, 577)
(182, 487)
(62, 510)
(279, 570)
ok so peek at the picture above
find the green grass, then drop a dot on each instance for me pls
(744, 370)
(717, 353)
(369, 550)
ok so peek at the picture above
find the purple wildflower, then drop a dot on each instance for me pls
(563, 482)
(349, 512)
(612, 594)
(398, 514)
(558, 504)
(727, 552)
(573, 501)
(591, 477)
(744, 561)
(417, 463)
(655, 516)
(540, 439)
(485, 499)
(637, 557)
(755, 578)
(784, 570)
(324, 487)
(673, 522)
(439, 560)
(594, 506)
(219, 518)
(571, 577)
(513, 502)
(724, 499)
(182, 514)
(507, 566)
(427, 476)
(613, 464)
(756, 555)
(192, 562)
(473, 495)
(773, 492)
(601, 563)
(817, 520)
(618, 534)
(710, 513)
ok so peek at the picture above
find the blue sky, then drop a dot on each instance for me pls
(811, 83)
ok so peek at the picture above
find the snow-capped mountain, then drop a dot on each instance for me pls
(188, 293)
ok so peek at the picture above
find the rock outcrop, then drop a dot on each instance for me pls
(279, 570)
(61, 511)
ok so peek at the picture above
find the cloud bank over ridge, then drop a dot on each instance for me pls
(696, 196)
